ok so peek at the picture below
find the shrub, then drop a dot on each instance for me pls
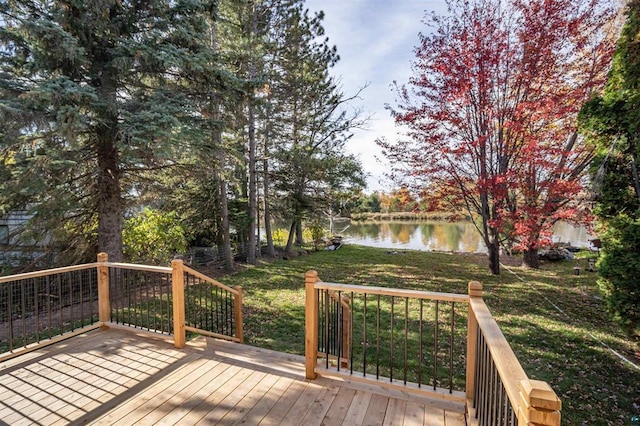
(280, 236)
(619, 268)
(153, 236)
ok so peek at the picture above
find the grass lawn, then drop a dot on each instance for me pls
(553, 319)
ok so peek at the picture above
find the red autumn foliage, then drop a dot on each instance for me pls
(491, 107)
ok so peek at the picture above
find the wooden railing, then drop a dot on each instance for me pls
(43, 307)
(211, 308)
(499, 391)
(440, 350)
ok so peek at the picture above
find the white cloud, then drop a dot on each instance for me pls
(376, 41)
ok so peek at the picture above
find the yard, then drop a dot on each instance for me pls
(553, 319)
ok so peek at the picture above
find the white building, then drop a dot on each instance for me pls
(14, 250)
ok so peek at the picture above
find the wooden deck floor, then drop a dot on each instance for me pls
(121, 377)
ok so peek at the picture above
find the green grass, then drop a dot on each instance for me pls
(595, 386)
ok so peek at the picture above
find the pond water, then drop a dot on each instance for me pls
(436, 235)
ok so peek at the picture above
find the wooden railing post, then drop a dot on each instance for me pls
(475, 290)
(539, 404)
(177, 286)
(104, 306)
(237, 306)
(311, 324)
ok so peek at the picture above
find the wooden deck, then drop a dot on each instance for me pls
(122, 377)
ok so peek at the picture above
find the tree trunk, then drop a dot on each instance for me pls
(253, 190)
(292, 230)
(271, 251)
(299, 239)
(531, 258)
(494, 252)
(251, 227)
(109, 201)
(225, 247)
(109, 197)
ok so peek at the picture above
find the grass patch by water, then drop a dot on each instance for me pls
(553, 319)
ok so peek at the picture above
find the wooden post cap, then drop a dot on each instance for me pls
(539, 403)
(311, 276)
(539, 394)
(475, 289)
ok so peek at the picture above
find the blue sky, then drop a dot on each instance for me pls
(375, 41)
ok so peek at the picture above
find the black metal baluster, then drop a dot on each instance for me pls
(406, 342)
(326, 326)
(36, 306)
(364, 337)
(49, 325)
(351, 334)
(420, 354)
(10, 312)
(435, 348)
(169, 282)
(476, 374)
(69, 276)
(391, 344)
(378, 338)
(319, 300)
(23, 304)
(453, 324)
(60, 319)
(79, 276)
(340, 331)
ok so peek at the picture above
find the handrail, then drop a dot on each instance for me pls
(209, 280)
(180, 271)
(495, 379)
(532, 401)
(134, 266)
(44, 273)
(396, 339)
(386, 291)
(39, 308)
(140, 295)
(505, 359)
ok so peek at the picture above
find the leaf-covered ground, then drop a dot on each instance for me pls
(553, 319)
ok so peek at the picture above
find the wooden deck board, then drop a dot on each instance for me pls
(413, 414)
(376, 411)
(284, 403)
(357, 411)
(125, 377)
(320, 406)
(341, 403)
(267, 402)
(395, 412)
(251, 398)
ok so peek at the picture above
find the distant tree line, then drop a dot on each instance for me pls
(401, 200)
(211, 114)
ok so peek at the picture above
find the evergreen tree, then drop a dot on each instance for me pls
(311, 119)
(612, 122)
(92, 97)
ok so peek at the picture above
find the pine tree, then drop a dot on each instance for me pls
(612, 122)
(94, 94)
(310, 119)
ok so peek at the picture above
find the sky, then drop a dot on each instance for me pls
(376, 41)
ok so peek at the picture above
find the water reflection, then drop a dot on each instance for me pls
(437, 236)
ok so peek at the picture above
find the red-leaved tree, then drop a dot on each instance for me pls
(491, 112)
